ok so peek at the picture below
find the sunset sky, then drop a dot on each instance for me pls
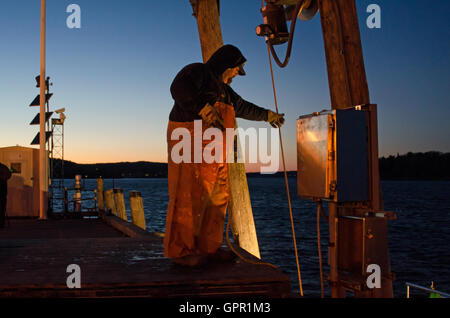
(113, 75)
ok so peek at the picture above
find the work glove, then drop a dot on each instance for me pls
(274, 119)
(211, 117)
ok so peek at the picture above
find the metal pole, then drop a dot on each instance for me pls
(62, 158)
(43, 162)
(336, 290)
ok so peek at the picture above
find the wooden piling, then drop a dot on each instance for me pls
(100, 194)
(120, 204)
(137, 209)
(209, 30)
(66, 200)
(242, 223)
(240, 209)
(109, 201)
(348, 87)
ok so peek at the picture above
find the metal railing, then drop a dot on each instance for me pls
(430, 290)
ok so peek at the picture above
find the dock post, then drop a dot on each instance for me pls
(77, 194)
(109, 201)
(137, 209)
(66, 200)
(100, 194)
(120, 204)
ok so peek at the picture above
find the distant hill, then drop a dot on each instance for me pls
(141, 169)
(431, 165)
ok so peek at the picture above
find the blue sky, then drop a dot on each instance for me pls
(113, 75)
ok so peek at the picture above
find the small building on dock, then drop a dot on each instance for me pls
(23, 187)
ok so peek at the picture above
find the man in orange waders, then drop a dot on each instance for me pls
(199, 191)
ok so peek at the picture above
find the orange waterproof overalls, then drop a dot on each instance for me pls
(198, 196)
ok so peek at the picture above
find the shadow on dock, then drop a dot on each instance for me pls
(117, 259)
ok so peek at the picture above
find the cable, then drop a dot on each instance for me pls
(285, 176)
(242, 257)
(298, 9)
(319, 212)
(286, 181)
(284, 164)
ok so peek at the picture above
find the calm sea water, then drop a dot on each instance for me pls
(418, 240)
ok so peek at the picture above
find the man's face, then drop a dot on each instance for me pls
(229, 74)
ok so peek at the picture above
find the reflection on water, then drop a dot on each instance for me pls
(418, 240)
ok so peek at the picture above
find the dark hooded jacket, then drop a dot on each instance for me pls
(200, 83)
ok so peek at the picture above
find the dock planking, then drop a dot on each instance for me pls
(34, 256)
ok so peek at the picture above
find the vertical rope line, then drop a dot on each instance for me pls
(285, 173)
(286, 180)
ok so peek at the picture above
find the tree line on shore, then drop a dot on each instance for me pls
(431, 165)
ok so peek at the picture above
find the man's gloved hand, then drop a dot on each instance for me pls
(275, 120)
(211, 117)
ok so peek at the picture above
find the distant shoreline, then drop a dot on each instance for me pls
(431, 165)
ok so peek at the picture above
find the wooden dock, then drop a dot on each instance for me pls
(117, 259)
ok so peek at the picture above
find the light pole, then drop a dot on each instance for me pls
(43, 156)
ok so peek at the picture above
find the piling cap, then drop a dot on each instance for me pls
(135, 194)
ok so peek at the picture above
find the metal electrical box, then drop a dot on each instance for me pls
(332, 155)
(361, 242)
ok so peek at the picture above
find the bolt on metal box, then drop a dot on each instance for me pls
(332, 155)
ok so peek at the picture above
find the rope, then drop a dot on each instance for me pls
(287, 190)
(285, 172)
(286, 180)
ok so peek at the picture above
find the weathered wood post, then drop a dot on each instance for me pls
(109, 201)
(100, 194)
(348, 87)
(243, 226)
(120, 204)
(242, 223)
(66, 200)
(137, 209)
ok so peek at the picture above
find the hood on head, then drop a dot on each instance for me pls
(228, 56)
